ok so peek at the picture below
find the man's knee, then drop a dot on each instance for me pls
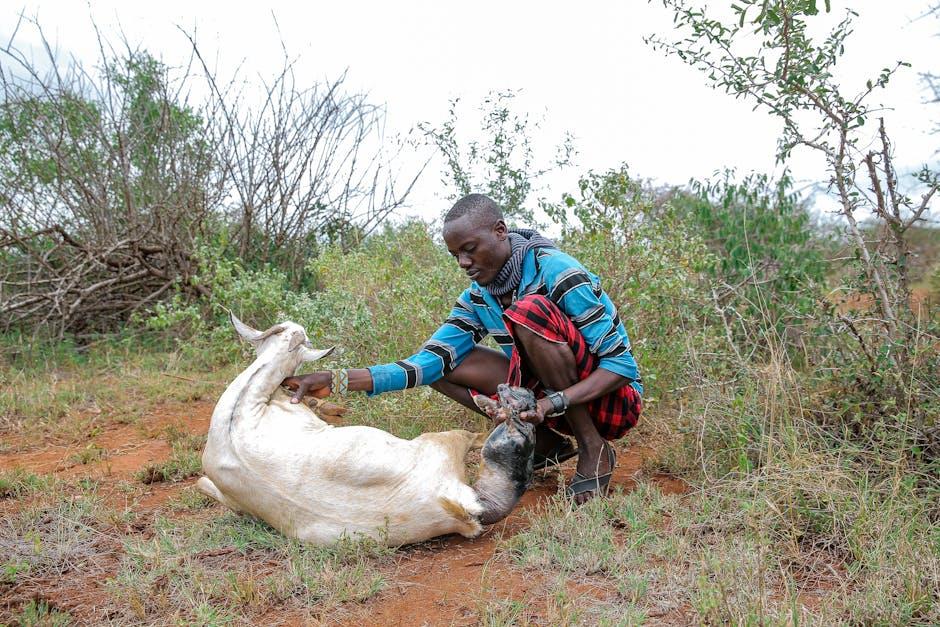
(552, 362)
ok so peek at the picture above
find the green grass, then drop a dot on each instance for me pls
(39, 613)
(90, 453)
(61, 394)
(18, 483)
(236, 566)
(191, 500)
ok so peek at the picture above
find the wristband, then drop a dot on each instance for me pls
(559, 401)
(339, 382)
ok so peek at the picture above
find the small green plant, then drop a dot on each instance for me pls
(18, 483)
(503, 165)
(38, 613)
(90, 453)
(185, 458)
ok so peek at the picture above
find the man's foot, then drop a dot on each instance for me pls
(592, 477)
(551, 448)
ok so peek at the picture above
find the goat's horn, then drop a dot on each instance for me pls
(252, 334)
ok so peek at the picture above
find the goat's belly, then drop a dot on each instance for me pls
(350, 481)
(322, 511)
(393, 521)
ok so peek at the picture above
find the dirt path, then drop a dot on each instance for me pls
(443, 581)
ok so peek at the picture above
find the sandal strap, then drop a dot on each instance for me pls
(599, 483)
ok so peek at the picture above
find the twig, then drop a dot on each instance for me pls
(176, 376)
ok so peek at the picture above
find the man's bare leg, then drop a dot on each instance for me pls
(555, 366)
(483, 369)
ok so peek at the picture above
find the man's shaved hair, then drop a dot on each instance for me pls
(481, 209)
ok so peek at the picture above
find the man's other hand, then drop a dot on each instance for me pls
(542, 408)
(315, 384)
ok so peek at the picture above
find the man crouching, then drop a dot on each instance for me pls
(559, 332)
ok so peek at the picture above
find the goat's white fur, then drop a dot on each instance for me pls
(280, 462)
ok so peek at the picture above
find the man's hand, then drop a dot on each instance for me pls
(315, 384)
(542, 408)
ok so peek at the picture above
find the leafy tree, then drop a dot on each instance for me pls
(769, 261)
(502, 165)
(790, 74)
(651, 264)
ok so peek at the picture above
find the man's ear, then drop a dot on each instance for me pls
(501, 230)
(488, 405)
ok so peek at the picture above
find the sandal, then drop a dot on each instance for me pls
(598, 483)
(563, 450)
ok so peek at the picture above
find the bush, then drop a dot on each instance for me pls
(378, 302)
(650, 264)
(769, 263)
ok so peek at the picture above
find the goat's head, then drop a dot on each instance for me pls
(287, 338)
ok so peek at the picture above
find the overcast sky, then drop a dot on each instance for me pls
(583, 66)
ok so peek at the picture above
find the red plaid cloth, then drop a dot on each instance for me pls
(613, 414)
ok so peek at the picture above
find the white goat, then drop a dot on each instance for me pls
(310, 480)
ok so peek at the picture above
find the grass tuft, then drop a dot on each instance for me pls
(18, 483)
(185, 459)
(39, 613)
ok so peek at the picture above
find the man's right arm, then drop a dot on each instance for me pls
(443, 352)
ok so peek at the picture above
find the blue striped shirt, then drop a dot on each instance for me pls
(477, 313)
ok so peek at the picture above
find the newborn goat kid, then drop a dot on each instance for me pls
(316, 482)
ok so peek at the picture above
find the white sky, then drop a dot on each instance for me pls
(583, 66)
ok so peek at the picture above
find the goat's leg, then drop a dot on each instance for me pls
(208, 488)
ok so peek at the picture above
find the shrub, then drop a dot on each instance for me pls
(649, 262)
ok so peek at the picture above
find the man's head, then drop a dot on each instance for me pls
(477, 236)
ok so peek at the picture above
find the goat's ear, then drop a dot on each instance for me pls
(312, 354)
(250, 334)
(296, 339)
(488, 405)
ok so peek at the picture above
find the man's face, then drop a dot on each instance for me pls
(480, 249)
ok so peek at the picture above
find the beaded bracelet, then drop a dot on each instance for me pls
(340, 382)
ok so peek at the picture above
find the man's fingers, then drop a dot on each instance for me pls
(500, 415)
(301, 390)
(532, 416)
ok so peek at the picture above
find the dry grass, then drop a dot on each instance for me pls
(236, 567)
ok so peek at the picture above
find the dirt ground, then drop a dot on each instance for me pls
(439, 582)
